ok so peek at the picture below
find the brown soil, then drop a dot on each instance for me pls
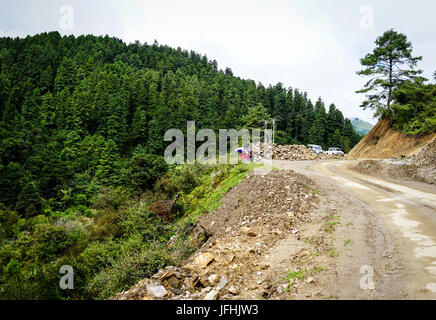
(383, 141)
(266, 227)
(307, 235)
(421, 167)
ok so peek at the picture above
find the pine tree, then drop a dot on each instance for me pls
(255, 118)
(385, 67)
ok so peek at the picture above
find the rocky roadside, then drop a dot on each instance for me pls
(265, 242)
(420, 167)
(293, 152)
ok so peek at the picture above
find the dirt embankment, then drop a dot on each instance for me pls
(420, 167)
(255, 240)
(386, 142)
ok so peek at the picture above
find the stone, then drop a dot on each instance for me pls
(264, 265)
(233, 290)
(222, 283)
(234, 266)
(213, 279)
(174, 282)
(156, 290)
(207, 289)
(189, 283)
(310, 280)
(248, 231)
(203, 259)
(245, 229)
(212, 295)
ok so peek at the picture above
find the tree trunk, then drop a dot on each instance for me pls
(390, 89)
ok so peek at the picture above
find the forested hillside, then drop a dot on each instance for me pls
(81, 132)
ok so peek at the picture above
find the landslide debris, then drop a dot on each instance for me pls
(253, 217)
(420, 167)
(293, 152)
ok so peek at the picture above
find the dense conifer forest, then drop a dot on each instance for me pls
(82, 121)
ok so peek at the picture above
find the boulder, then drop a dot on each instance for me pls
(203, 259)
(156, 290)
(212, 295)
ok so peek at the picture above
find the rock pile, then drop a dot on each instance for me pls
(233, 262)
(169, 283)
(174, 283)
(420, 167)
(426, 157)
(288, 152)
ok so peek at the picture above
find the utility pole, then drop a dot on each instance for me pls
(273, 123)
(273, 129)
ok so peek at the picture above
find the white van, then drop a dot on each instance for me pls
(335, 151)
(315, 148)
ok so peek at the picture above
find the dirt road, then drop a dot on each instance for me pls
(387, 232)
(315, 230)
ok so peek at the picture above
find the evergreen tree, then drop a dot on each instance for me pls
(385, 66)
(255, 118)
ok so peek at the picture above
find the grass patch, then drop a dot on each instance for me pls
(318, 269)
(347, 242)
(208, 199)
(330, 225)
(298, 274)
(292, 276)
(333, 253)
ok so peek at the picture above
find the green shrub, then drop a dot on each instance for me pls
(128, 269)
(183, 178)
(145, 170)
(10, 224)
(110, 197)
(415, 108)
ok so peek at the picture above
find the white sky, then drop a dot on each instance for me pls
(312, 45)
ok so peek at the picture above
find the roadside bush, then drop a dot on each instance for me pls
(111, 198)
(107, 224)
(184, 178)
(139, 220)
(129, 268)
(10, 224)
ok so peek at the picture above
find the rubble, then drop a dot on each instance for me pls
(203, 259)
(222, 283)
(420, 167)
(212, 295)
(241, 237)
(289, 152)
(213, 279)
(156, 290)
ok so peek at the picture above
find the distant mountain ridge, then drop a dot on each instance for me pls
(361, 126)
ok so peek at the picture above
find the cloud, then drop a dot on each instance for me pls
(311, 45)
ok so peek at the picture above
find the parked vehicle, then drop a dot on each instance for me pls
(335, 151)
(315, 148)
